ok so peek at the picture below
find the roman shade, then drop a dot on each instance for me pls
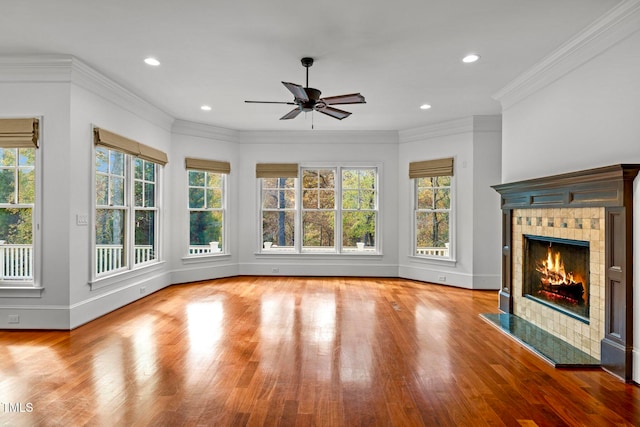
(276, 170)
(19, 133)
(114, 141)
(214, 166)
(427, 168)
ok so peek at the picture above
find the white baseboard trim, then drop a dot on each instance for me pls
(92, 308)
(35, 317)
(207, 272)
(447, 277)
(315, 269)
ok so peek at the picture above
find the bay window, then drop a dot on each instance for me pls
(334, 210)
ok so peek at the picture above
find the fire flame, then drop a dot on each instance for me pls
(553, 272)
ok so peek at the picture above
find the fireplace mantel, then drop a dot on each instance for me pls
(610, 188)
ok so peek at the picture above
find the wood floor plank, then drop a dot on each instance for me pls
(299, 351)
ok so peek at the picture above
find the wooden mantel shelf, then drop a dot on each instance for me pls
(600, 187)
(610, 187)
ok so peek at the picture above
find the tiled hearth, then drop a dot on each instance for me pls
(586, 224)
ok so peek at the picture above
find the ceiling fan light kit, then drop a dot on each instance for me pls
(308, 99)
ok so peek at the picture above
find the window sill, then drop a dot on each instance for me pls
(433, 260)
(120, 276)
(199, 259)
(20, 291)
(319, 255)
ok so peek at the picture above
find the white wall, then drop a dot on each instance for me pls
(90, 106)
(474, 143)
(204, 142)
(50, 101)
(587, 118)
(70, 98)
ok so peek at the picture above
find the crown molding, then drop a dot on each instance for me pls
(612, 27)
(69, 69)
(452, 127)
(88, 78)
(201, 130)
(318, 137)
(35, 68)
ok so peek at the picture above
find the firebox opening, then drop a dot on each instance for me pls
(556, 274)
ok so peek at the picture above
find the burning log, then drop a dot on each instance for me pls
(556, 280)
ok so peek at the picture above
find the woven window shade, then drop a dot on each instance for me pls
(114, 141)
(276, 170)
(439, 167)
(152, 154)
(214, 166)
(19, 133)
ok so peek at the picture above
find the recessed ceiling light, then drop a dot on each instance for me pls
(152, 61)
(425, 106)
(472, 57)
(205, 108)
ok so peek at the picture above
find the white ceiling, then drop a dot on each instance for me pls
(398, 54)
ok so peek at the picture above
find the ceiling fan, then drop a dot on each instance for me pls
(308, 99)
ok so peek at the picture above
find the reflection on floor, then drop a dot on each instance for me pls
(551, 348)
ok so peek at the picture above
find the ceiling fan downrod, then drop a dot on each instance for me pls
(306, 63)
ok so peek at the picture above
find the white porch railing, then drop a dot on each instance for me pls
(16, 262)
(443, 252)
(211, 248)
(143, 253)
(109, 257)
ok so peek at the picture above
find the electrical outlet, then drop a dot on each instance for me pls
(442, 278)
(14, 318)
(275, 270)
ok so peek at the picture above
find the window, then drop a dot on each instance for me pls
(279, 213)
(18, 150)
(338, 212)
(432, 208)
(127, 204)
(359, 209)
(318, 209)
(207, 205)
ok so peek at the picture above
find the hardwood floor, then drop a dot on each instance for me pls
(299, 352)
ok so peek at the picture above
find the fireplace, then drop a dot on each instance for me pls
(556, 274)
(593, 206)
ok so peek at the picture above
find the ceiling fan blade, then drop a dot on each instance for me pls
(334, 112)
(297, 91)
(291, 114)
(352, 98)
(270, 102)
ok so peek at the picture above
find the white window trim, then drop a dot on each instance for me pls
(97, 281)
(31, 288)
(413, 256)
(337, 251)
(224, 249)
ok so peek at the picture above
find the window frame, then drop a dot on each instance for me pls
(129, 208)
(224, 248)
(451, 258)
(32, 287)
(337, 249)
(264, 244)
